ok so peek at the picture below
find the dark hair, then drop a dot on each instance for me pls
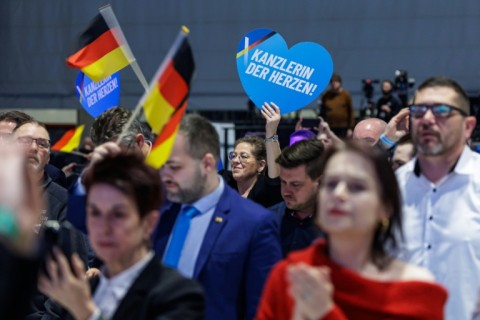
(109, 125)
(305, 152)
(15, 116)
(201, 137)
(259, 150)
(384, 241)
(441, 81)
(336, 77)
(128, 172)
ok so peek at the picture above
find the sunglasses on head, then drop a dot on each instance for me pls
(439, 110)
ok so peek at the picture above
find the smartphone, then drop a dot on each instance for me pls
(59, 235)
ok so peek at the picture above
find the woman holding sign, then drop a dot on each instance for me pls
(350, 275)
(251, 156)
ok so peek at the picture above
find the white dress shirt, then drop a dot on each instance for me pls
(111, 291)
(441, 224)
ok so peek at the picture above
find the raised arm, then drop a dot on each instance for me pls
(396, 128)
(271, 113)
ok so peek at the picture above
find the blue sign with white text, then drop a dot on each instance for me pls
(271, 72)
(96, 97)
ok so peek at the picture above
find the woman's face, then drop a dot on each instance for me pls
(243, 163)
(116, 232)
(349, 196)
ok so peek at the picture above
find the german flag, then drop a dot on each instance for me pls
(166, 100)
(163, 144)
(171, 88)
(70, 140)
(99, 54)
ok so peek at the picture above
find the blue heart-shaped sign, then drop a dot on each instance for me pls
(270, 72)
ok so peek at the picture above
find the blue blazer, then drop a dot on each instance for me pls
(240, 247)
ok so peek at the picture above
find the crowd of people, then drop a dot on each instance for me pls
(376, 220)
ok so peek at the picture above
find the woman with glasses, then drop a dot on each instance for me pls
(254, 173)
(352, 274)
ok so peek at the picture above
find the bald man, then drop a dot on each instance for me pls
(369, 130)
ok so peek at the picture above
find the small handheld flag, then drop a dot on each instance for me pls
(70, 140)
(165, 101)
(102, 48)
(170, 86)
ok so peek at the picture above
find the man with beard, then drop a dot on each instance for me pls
(299, 176)
(441, 193)
(208, 231)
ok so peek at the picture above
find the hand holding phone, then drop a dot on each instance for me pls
(56, 235)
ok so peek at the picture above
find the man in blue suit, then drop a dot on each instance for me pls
(209, 232)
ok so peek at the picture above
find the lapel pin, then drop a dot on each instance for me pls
(218, 219)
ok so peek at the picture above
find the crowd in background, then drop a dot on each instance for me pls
(373, 220)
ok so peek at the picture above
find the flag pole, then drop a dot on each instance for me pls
(107, 13)
(138, 108)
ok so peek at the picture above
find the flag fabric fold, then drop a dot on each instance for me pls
(102, 50)
(163, 144)
(165, 102)
(171, 86)
(70, 140)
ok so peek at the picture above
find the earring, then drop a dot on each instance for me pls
(384, 224)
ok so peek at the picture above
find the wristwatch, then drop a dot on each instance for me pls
(273, 138)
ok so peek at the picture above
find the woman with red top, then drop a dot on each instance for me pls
(351, 275)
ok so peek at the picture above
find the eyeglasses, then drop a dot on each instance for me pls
(41, 143)
(242, 157)
(439, 110)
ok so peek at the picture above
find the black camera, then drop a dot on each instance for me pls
(402, 81)
(56, 235)
(402, 84)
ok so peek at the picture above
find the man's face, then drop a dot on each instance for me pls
(37, 151)
(386, 87)
(298, 189)
(183, 176)
(436, 136)
(403, 153)
(336, 85)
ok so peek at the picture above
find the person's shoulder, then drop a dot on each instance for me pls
(409, 272)
(166, 277)
(57, 191)
(237, 202)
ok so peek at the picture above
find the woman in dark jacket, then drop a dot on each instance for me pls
(123, 197)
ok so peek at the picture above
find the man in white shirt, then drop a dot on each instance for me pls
(441, 193)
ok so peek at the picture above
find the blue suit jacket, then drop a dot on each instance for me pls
(240, 247)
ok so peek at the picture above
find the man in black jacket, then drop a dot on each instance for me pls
(299, 176)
